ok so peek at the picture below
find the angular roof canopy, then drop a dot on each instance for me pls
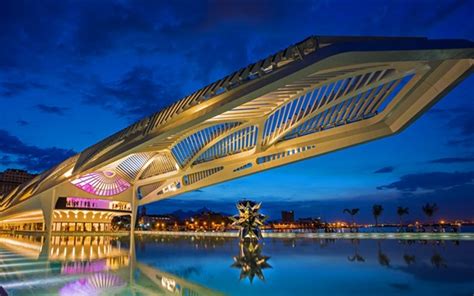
(322, 94)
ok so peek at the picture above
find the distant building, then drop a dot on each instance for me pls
(11, 178)
(287, 216)
(208, 221)
(157, 222)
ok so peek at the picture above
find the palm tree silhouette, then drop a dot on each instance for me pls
(400, 212)
(438, 261)
(377, 211)
(351, 212)
(383, 259)
(356, 257)
(409, 259)
(429, 210)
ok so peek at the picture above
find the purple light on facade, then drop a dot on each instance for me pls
(90, 203)
(95, 203)
(84, 267)
(102, 183)
(96, 284)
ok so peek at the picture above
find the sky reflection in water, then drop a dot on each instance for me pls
(214, 266)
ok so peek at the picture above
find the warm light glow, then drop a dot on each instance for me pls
(68, 173)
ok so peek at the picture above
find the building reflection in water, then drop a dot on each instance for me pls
(78, 265)
(88, 253)
(26, 246)
(250, 260)
(94, 284)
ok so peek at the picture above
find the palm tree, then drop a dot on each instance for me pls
(400, 212)
(377, 211)
(438, 261)
(351, 212)
(409, 259)
(357, 257)
(429, 210)
(383, 258)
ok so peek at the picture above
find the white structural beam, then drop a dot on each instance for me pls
(320, 95)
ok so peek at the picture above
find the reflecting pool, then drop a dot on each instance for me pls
(166, 265)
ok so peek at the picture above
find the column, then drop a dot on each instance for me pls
(47, 201)
(133, 218)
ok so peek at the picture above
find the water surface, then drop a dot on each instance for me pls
(154, 265)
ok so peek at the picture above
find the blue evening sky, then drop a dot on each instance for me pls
(74, 72)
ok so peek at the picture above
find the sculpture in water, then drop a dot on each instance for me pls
(249, 220)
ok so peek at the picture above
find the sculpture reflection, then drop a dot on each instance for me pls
(251, 261)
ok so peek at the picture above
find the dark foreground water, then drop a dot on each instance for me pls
(152, 265)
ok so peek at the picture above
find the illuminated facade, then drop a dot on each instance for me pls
(314, 97)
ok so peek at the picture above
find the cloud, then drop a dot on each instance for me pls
(33, 158)
(22, 122)
(449, 160)
(430, 181)
(26, 38)
(462, 141)
(460, 121)
(135, 95)
(13, 88)
(51, 109)
(6, 160)
(387, 169)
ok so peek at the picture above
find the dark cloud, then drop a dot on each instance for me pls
(104, 25)
(136, 94)
(449, 160)
(460, 122)
(387, 169)
(51, 109)
(31, 31)
(430, 181)
(22, 122)
(14, 88)
(33, 158)
(462, 141)
(6, 160)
